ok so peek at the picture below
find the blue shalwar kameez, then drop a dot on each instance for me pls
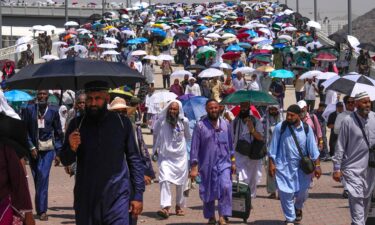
(212, 149)
(291, 181)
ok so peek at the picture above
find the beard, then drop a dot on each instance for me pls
(364, 111)
(244, 113)
(303, 114)
(172, 119)
(96, 113)
(213, 116)
(274, 114)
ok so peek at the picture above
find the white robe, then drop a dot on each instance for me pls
(172, 153)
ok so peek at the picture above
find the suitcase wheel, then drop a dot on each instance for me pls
(245, 220)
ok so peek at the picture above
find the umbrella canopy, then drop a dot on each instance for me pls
(282, 74)
(265, 69)
(195, 67)
(244, 70)
(314, 24)
(210, 73)
(234, 48)
(255, 97)
(231, 55)
(50, 57)
(183, 43)
(24, 40)
(180, 74)
(71, 24)
(325, 56)
(213, 35)
(195, 107)
(367, 46)
(244, 45)
(139, 53)
(151, 57)
(351, 85)
(338, 38)
(111, 52)
(107, 45)
(221, 65)
(17, 96)
(310, 74)
(200, 42)
(165, 57)
(73, 74)
(160, 99)
(326, 76)
(120, 93)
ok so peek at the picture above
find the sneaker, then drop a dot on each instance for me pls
(345, 194)
(43, 217)
(298, 215)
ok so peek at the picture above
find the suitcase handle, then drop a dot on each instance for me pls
(238, 182)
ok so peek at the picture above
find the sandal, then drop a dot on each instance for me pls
(163, 213)
(179, 211)
(222, 221)
(211, 221)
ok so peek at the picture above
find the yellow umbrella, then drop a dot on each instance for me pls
(266, 69)
(159, 25)
(121, 93)
(208, 17)
(158, 11)
(166, 42)
(108, 27)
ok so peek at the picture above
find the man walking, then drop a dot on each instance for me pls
(45, 140)
(289, 139)
(212, 151)
(247, 128)
(171, 133)
(108, 161)
(354, 158)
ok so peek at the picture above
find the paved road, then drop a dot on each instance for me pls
(325, 205)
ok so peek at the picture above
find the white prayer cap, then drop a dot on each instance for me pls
(361, 95)
(302, 104)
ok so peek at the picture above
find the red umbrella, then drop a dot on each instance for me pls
(239, 19)
(183, 44)
(242, 30)
(231, 55)
(254, 111)
(262, 51)
(325, 56)
(242, 35)
(87, 26)
(200, 42)
(373, 58)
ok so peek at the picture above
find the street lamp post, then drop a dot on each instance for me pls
(297, 5)
(349, 17)
(316, 10)
(66, 11)
(1, 25)
(103, 6)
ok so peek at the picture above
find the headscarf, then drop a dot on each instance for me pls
(6, 109)
(63, 116)
(164, 112)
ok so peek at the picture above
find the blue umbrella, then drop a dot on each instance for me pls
(158, 32)
(230, 30)
(252, 33)
(17, 96)
(279, 45)
(244, 45)
(282, 74)
(200, 28)
(142, 39)
(195, 107)
(234, 48)
(133, 42)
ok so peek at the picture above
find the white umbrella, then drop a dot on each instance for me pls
(310, 74)
(49, 27)
(50, 57)
(221, 65)
(23, 40)
(290, 29)
(267, 47)
(37, 27)
(260, 25)
(151, 57)
(112, 40)
(314, 24)
(181, 74)
(258, 39)
(160, 99)
(107, 45)
(124, 16)
(286, 37)
(79, 48)
(288, 12)
(314, 45)
(265, 31)
(228, 35)
(58, 43)
(210, 73)
(83, 31)
(301, 49)
(353, 41)
(139, 53)
(21, 48)
(71, 24)
(165, 57)
(111, 52)
(114, 29)
(128, 32)
(213, 35)
(244, 70)
(326, 76)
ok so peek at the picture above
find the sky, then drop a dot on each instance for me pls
(332, 8)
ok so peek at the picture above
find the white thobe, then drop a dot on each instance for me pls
(194, 90)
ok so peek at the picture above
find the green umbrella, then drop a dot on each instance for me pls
(305, 38)
(276, 27)
(262, 58)
(206, 51)
(281, 41)
(53, 100)
(255, 97)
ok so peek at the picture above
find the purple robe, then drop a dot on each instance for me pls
(212, 149)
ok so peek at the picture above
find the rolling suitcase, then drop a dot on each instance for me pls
(241, 200)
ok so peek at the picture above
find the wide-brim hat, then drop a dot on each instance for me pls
(118, 103)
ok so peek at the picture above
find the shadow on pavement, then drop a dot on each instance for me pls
(63, 216)
(152, 215)
(58, 208)
(184, 223)
(267, 222)
(197, 207)
(69, 222)
(325, 195)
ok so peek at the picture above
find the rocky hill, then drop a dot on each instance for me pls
(363, 27)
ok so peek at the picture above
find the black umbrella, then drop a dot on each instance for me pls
(95, 17)
(368, 46)
(72, 74)
(195, 67)
(338, 38)
(181, 36)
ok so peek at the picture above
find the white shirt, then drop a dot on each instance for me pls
(310, 91)
(194, 90)
(253, 86)
(239, 84)
(331, 97)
